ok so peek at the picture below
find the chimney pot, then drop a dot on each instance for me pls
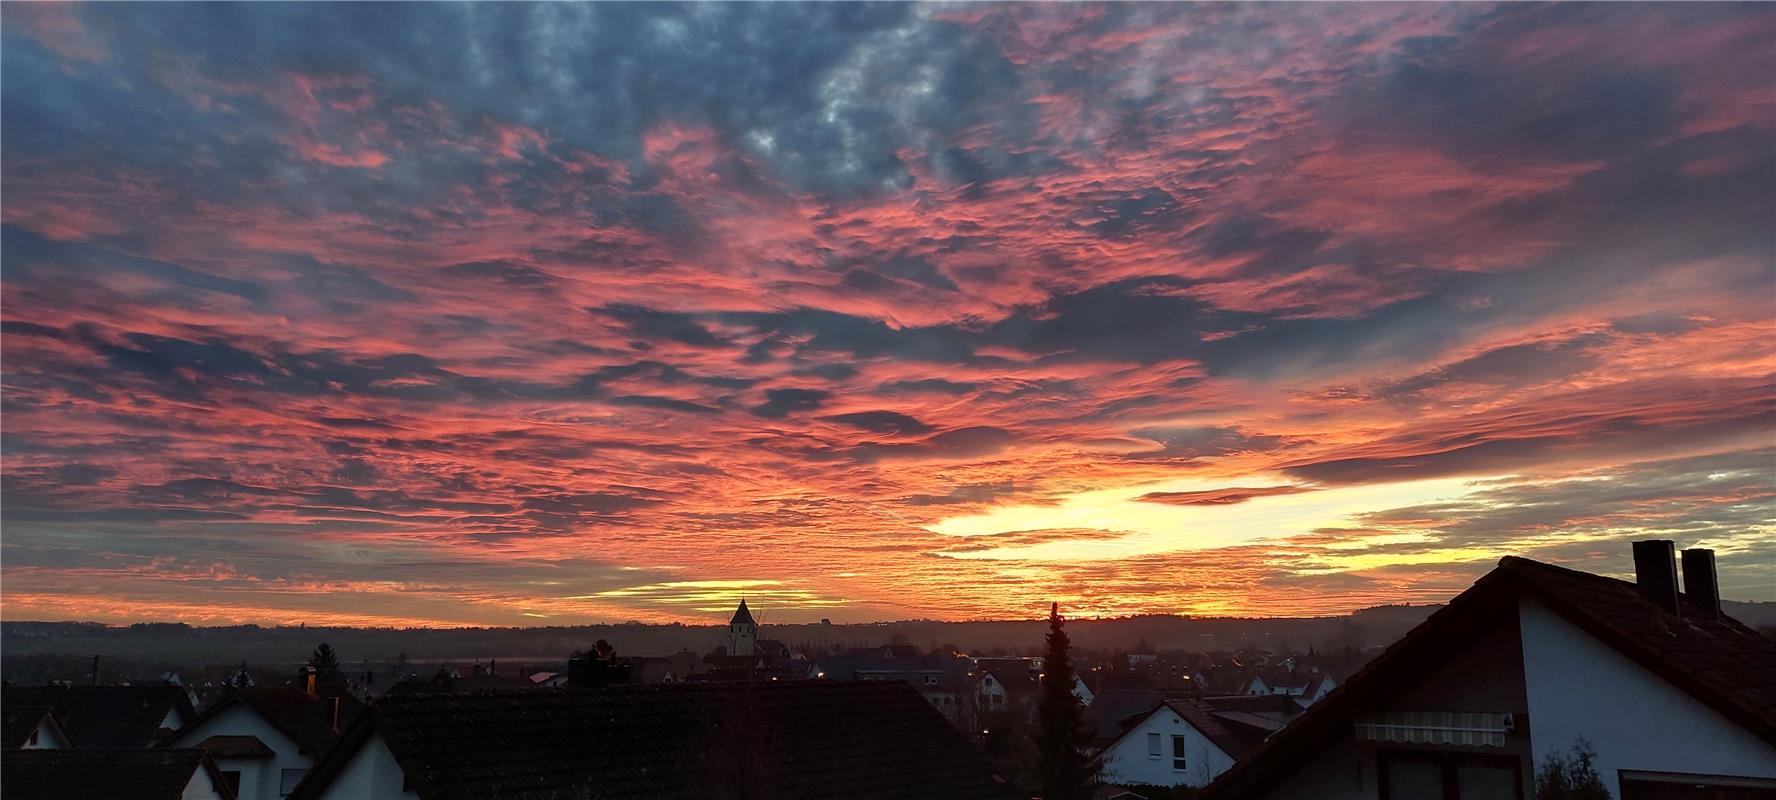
(1701, 584)
(1655, 573)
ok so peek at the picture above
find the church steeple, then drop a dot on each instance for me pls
(742, 632)
(742, 614)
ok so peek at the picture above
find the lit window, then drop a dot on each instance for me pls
(1153, 745)
(1177, 752)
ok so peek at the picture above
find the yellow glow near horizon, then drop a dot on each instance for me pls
(1151, 528)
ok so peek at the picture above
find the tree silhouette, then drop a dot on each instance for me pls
(1068, 771)
(1570, 777)
(325, 663)
(242, 677)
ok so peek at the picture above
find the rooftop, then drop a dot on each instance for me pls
(102, 774)
(805, 740)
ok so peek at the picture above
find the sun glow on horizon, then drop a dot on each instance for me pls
(1149, 527)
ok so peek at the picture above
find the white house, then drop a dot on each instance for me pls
(1676, 699)
(32, 728)
(1190, 742)
(1013, 692)
(265, 739)
(1306, 686)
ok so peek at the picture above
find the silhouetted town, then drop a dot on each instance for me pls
(1537, 681)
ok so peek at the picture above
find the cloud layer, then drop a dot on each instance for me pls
(505, 313)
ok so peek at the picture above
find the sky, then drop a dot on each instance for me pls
(554, 314)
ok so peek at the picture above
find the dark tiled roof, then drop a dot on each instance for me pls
(1721, 662)
(1227, 681)
(1235, 741)
(805, 740)
(1111, 707)
(106, 716)
(1118, 680)
(307, 719)
(742, 615)
(235, 747)
(17, 722)
(158, 774)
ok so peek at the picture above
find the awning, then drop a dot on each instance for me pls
(1470, 728)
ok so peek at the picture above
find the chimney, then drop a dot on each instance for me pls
(1655, 573)
(95, 674)
(308, 680)
(1701, 585)
(335, 714)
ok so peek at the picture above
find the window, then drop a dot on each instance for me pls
(1637, 785)
(232, 778)
(1178, 763)
(1444, 775)
(288, 779)
(1153, 745)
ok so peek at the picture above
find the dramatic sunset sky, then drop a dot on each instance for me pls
(508, 314)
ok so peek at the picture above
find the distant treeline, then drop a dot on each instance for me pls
(178, 643)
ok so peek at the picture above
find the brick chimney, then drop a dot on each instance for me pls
(308, 680)
(1701, 585)
(1655, 573)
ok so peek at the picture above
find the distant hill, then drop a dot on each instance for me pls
(177, 644)
(254, 643)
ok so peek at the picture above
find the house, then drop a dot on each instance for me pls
(940, 681)
(1307, 686)
(158, 774)
(810, 740)
(1676, 699)
(266, 738)
(108, 717)
(1111, 709)
(32, 728)
(1188, 742)
(1016, 691)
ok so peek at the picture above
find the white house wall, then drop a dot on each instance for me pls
(200, 787)
(1580, 687)
(1127, 762)
(371, 774)
(260, 777)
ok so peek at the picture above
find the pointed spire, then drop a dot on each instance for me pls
(742, 615)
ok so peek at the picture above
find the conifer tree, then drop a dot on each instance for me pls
(325, 663)
(1063, 740)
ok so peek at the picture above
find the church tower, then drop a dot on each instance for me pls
(742, 632)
